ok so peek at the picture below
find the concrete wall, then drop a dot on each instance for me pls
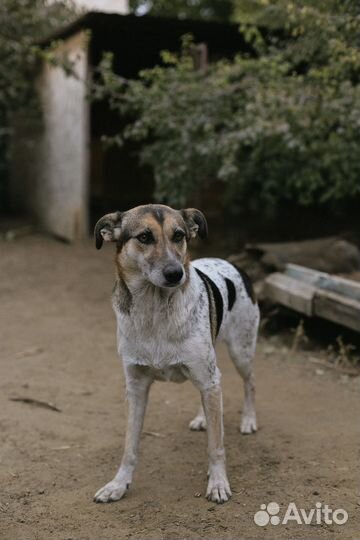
(50, 177)
(63, 169)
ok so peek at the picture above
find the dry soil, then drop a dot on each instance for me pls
(57, 344)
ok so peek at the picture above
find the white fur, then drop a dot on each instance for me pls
(166, 336)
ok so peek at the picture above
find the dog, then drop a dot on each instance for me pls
(170, 312)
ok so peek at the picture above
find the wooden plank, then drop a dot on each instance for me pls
(342, 286)
(337, 308)
(290, 292)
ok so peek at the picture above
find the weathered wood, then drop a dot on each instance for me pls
(337, 308)
(199, 52)
(322, 280)
(290, 292)
(333, 255)
(316, 293)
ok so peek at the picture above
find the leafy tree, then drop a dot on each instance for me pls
(22, 23)
(280, 126)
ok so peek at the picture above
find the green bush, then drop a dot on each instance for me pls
(282, 126)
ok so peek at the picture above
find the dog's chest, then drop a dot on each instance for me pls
(157, 334)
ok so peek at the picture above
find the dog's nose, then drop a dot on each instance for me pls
(173, 273)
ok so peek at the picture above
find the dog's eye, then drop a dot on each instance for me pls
(178, 236)
(145, 238)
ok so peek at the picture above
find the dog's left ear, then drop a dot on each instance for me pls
(195, 222)
(108, 228)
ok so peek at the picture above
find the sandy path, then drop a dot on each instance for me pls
(57, 343)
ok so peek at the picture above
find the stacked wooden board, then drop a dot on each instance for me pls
(315, 293)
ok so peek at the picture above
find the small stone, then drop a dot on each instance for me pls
(41, 491)
(197, 494)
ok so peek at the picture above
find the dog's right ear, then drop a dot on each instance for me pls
(108, 228)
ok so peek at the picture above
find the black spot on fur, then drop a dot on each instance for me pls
(231, 293)
(247, 283)
(214, 298)
(218, 303)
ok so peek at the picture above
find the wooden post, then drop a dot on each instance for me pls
(200, 56)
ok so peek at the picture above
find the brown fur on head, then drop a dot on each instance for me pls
(152, 242)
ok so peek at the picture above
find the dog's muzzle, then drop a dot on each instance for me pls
(173, 273)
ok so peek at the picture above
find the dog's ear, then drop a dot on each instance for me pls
(195, 222)
(108, 228)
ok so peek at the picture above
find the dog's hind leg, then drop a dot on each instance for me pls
(218, 489)
(137, 390)
(242, 349)
(199, 422)
(248, 418)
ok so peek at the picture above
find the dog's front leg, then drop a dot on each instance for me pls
(218, 489)
(137, 390)
(206, 377)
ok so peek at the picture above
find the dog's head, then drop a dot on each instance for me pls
(152, 242)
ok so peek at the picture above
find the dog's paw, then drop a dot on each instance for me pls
(198, 423)
(113, 491)
(248, 424)
(218, 489)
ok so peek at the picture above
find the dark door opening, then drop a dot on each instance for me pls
(117, 180)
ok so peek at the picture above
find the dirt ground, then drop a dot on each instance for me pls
(57, 344)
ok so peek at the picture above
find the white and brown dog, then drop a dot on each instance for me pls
(170, 312)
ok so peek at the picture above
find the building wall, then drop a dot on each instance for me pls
(63, 203)
(50, 176)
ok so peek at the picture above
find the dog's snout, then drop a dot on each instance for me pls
(173, 273)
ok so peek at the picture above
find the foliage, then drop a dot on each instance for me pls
(22, 23)
(282, 126)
